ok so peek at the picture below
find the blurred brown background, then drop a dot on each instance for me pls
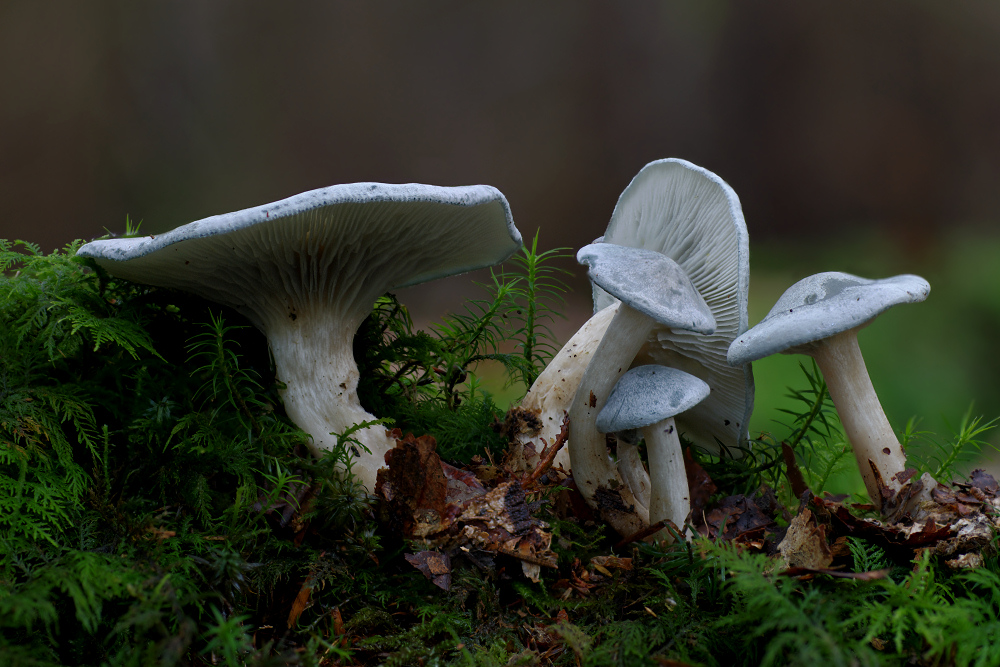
(839, 123)
(850, 114)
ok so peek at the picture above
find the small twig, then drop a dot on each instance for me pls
(405, 368)
(792, 471)
(552, 450)
(641, 535)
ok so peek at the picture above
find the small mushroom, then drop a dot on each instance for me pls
(306, 271)
(652, 289)
(648, 398)
(820, 316)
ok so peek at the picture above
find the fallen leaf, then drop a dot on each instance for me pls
(700, 485)
(967, 561)
(984, 481)
(804, 545)
(550, 452)
(736, 518)
(808, 573)
(612, 562)
(161, 534)
(434, 565)
(414, 486)
(792, 470)
(532, 571)
(299, 605)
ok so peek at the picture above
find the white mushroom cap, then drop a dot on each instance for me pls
(649, 394)
(821, 306)
(649, 282)
(820, 316)
(351, 241)
(692, 216)
(306, 271)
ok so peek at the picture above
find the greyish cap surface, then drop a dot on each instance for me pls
(648, 394)
(692, 216)
(650, 282)
(345, 243)
(823, 305)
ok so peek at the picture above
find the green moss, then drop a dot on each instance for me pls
(157, 507)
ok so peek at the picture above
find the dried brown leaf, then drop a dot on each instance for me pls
(805, 545)
(434, 565)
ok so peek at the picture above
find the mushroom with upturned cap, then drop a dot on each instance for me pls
(306, 271)
(694, 217)
(652, 289)
(648, 398)
(820, 316)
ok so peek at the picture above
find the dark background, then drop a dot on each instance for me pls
(859, 135)
(821, 117)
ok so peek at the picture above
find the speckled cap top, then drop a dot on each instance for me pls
(648, 394)
(650, 282)
(820, 306)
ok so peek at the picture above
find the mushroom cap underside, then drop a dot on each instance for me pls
(649, 394)
(823, 305)
(649, 282)
(348, 242)
(694, 217)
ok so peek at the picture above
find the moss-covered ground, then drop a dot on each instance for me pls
(158, 508)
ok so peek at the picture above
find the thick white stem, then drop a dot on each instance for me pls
(314, 360)
(878, 452)
(594, 472)
(670, 499)
(551, 395)
(634, 473)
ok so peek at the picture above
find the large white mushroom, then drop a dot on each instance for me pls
(306, 271)
(820, 316)
(652, 290)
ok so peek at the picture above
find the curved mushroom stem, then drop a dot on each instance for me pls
(632, 470)
(552, 392)
(594, 472)
(878, 452)
(314, 359)
(670, 499)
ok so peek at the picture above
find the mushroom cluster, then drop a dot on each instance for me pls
(666, 354)
(685, 213)
(692, 217)
(306, 271)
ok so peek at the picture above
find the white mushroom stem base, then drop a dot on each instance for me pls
(878, 452)
(594, 473)
(315, 362)
(552, 392)
(670, 498)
